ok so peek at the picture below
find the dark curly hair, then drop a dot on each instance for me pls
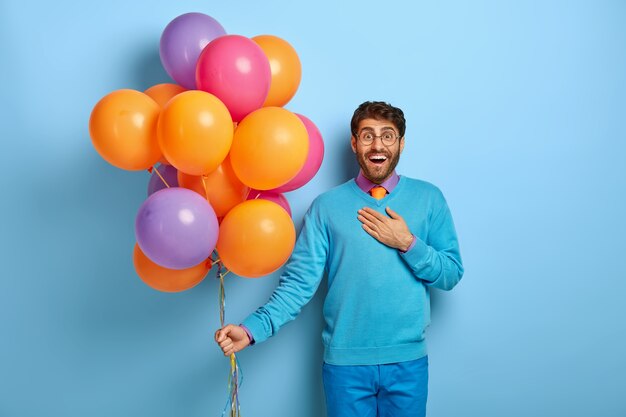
(378, 110)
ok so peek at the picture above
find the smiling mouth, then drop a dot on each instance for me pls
(377, 159)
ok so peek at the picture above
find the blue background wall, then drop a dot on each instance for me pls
(516, 110)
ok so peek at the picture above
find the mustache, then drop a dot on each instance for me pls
(370, 153)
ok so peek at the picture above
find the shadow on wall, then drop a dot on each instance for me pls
(340, 163)
(349, 165)
(148, 70)
(437, 302)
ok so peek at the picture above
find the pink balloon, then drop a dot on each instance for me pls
(236, 70)
(313, 160)
(271, 196)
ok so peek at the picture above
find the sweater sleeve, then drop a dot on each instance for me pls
(437, 261)
(298, 283)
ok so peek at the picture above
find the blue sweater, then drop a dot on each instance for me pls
(378, 302)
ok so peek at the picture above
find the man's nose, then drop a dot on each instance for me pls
(378, 143)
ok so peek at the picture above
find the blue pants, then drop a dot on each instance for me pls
(392, 390)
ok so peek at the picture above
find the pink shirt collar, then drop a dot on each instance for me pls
(366, 185)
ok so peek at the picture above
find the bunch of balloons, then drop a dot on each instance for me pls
(226, 149)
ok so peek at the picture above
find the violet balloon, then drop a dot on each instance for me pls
(236, 70)
(270, 196)
(313, 161)
(176, 228)
(182, 41)
(169, 174)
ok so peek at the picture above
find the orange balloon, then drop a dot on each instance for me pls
(122, 127)
(195, 132)
(223, 188)
(256, 238)
(285, 66)
(168, 280)
(162, 93)
(269, 148)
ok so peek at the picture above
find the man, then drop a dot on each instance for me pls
(381, 263)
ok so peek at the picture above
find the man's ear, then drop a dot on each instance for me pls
(353, 143)
(401, 144)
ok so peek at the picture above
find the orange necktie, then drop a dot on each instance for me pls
(378, 192)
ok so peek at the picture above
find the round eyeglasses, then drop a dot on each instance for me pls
(388, 137)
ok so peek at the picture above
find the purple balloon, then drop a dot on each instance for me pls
(270, 196)
(176, 228)
(313, 160)
(169, 174)
(182, 41)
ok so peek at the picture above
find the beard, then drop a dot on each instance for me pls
(378, 173)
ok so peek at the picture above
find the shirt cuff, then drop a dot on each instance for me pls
(248, 333)
(410, 246)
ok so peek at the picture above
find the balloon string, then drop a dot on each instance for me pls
(235, 378)
(160, 176)
(222, 294)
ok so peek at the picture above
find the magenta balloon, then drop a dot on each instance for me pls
(182, 41)
(270, 196)
(176, 228)
(313, 160)
(169, 174)
(236, 70)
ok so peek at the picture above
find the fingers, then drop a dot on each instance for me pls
(226, 342)
(393, 214)
(366, 221)
(227, 339)
(370, 222)
(227, 345)
(219, 336)
(372, 218)
(222, 333)
(375, 214)
(371, 231)
(372, 214)
(228, 348)
(389, 230)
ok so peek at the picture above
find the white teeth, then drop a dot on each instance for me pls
(378, 158)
